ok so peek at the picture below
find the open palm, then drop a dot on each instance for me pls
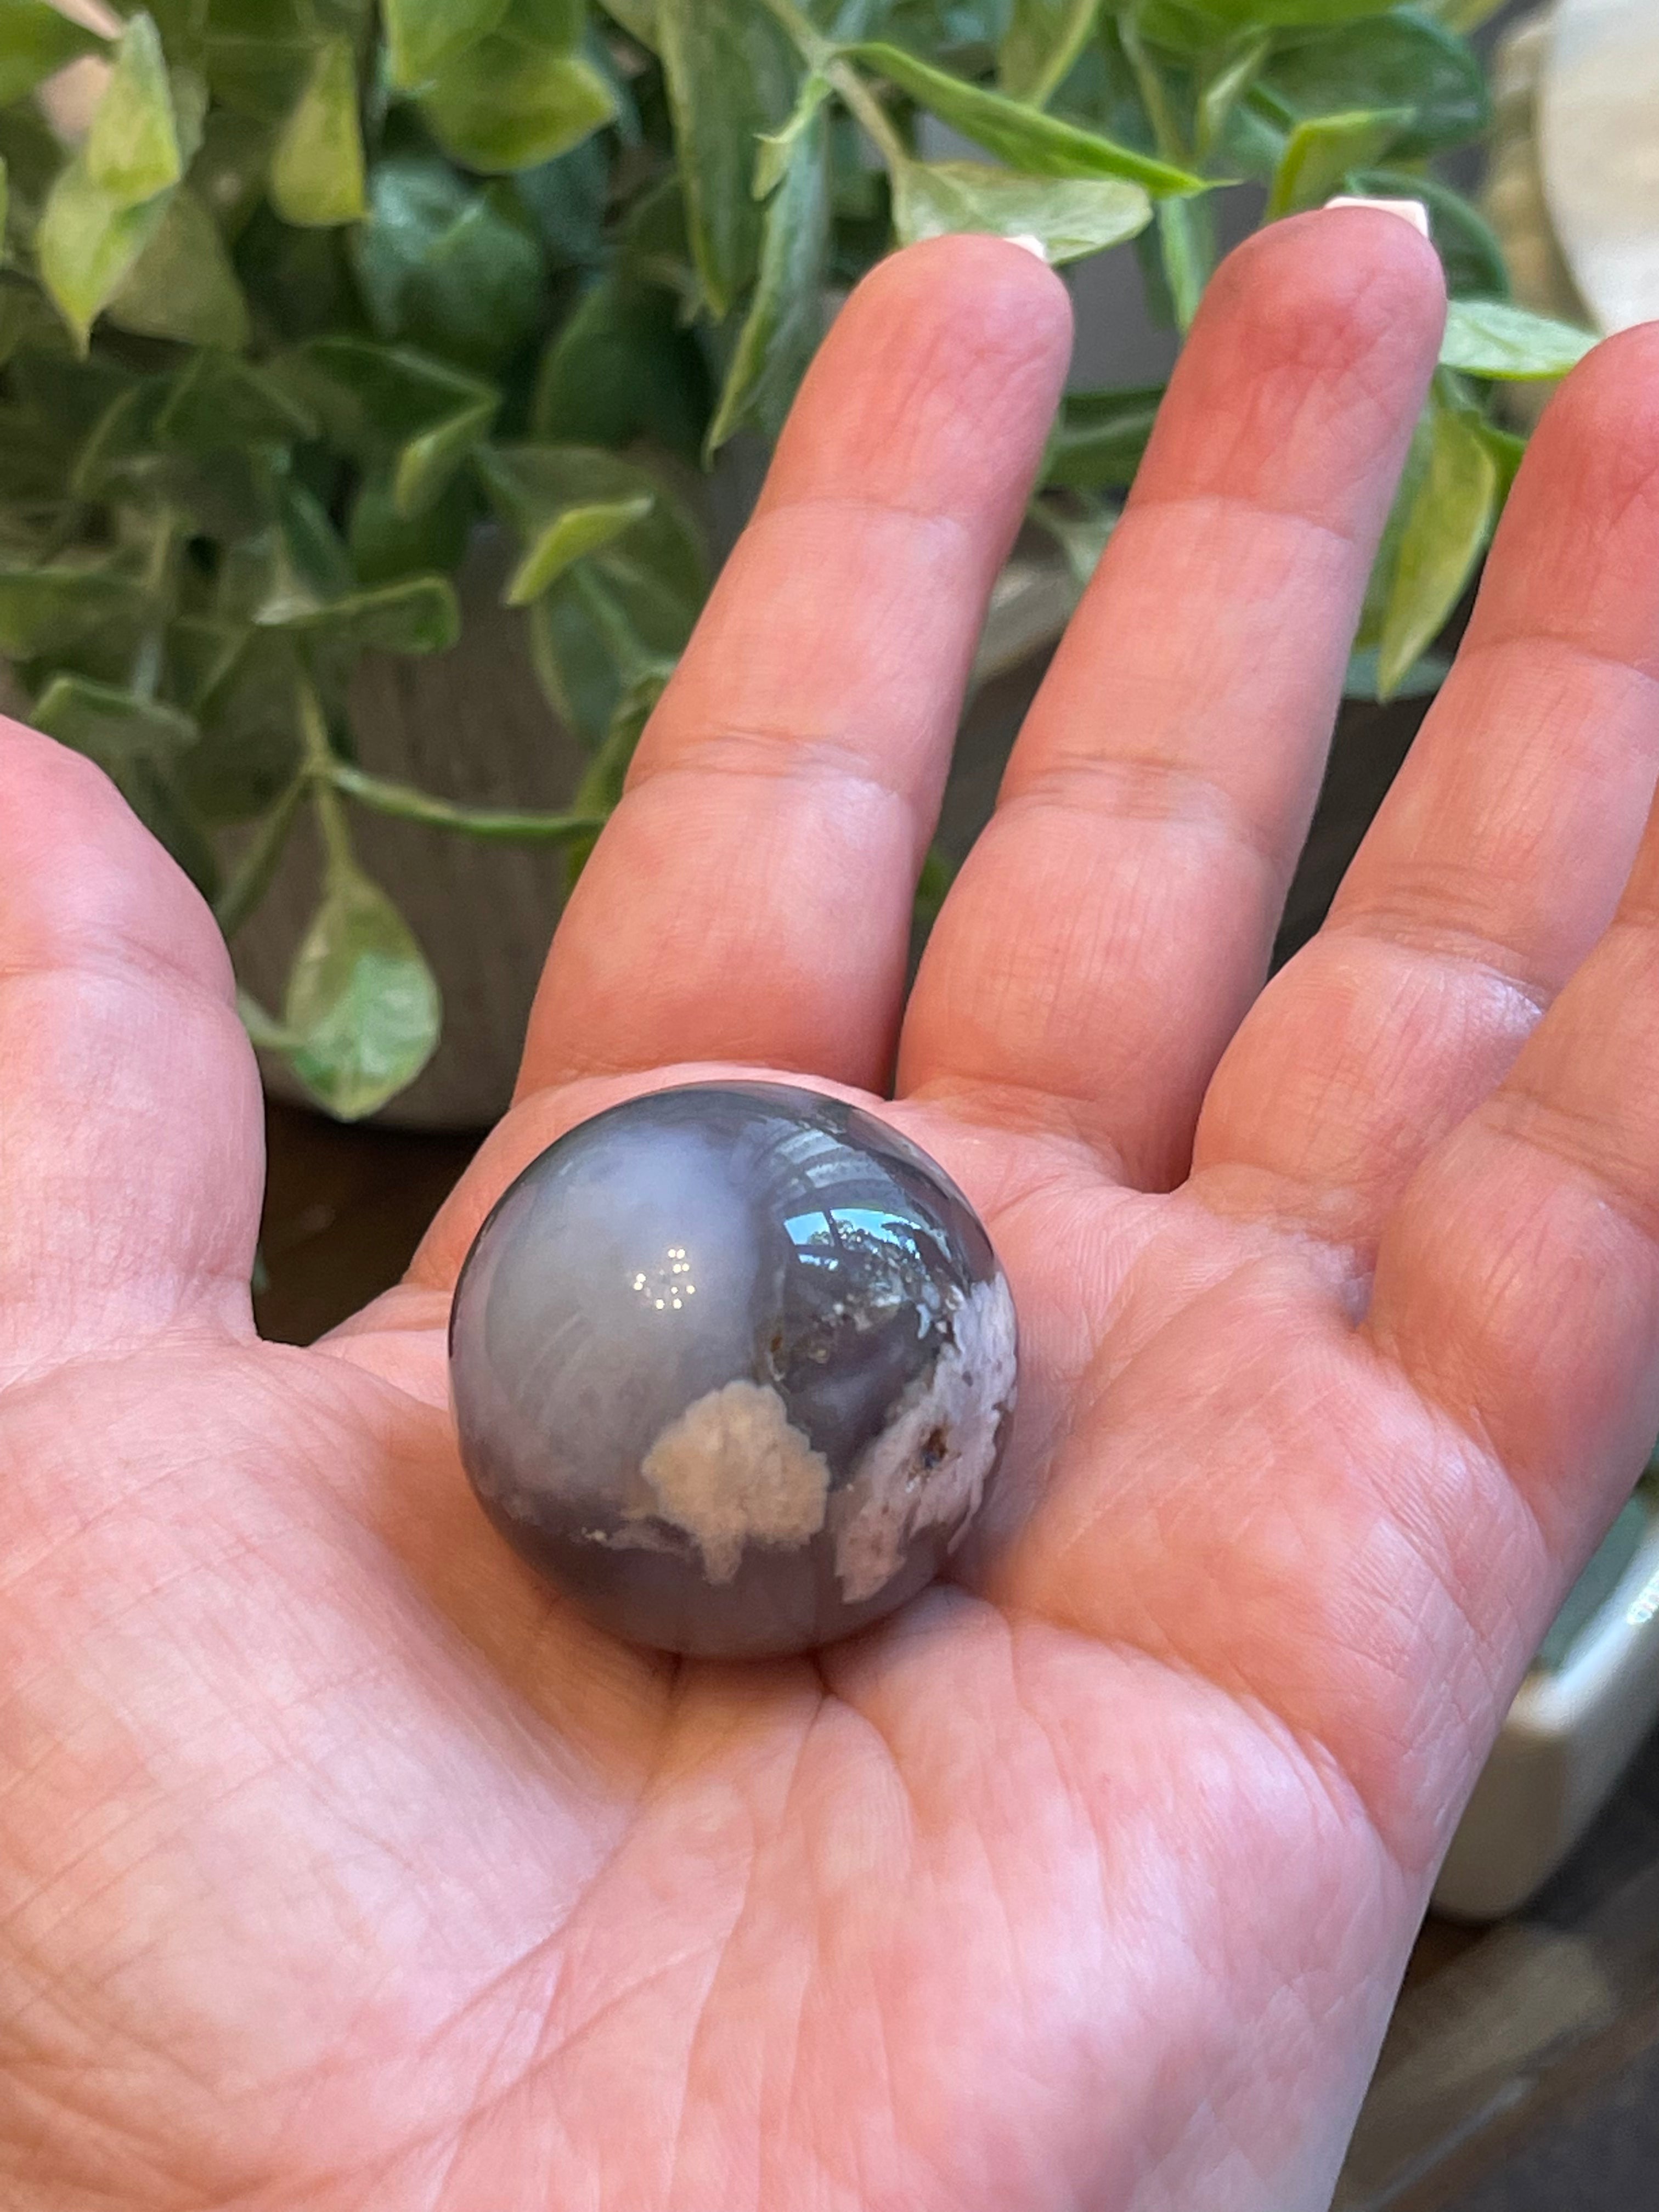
(340, 1866)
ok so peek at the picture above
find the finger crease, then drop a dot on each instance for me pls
(1443, 944)
(770, 755)
(1152, 788)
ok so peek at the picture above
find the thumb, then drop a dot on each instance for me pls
(131, 1140)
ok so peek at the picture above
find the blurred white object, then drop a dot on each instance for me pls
(1411, 211)
(70, 97)
(1599, 144)
(1568, 1737)
(1514, 202)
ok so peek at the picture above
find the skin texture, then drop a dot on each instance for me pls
(341, 1867)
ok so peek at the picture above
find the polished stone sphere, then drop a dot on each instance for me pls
(731, 1366)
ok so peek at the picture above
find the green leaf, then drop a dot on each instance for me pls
(86, 242)
(42, 610)
(34, 153)
(228, 174)
(785, 321)
(637, 17)
(446, 267)
(1420, 681)
(191, 97)
(414, 199)
(1303, 14)
(777, 146)
(1187, 249)
(422, 35)
(1318, 156)
(198, 651)
(35, 41)
(182, 285)
(622, 367)
(247, 709)
(224, 490)
(655, 247)
(419, 615)
(218, 401)
(361, 1000)
(520, 94)
(109, 725)
(1043, 40)
(580, 530)
(1229, 76)
(1463, 15)
(731, 76)
(969, 31)
(1445, 526)
(132, 150)
(1187, 32)
(564, 502)
(426, 464)
(1100, 437)
(257, 55)
(1394, 60)
(1508, 451)
(389, 404)
(151, 787)
(567, 200)
(386, 546)
(317, 164)
(1071, 216)
(1490, 337)
(1041, 145)
(1081, 531)
(618, 616)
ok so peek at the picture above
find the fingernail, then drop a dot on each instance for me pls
(1411, 211)
(1031, 242)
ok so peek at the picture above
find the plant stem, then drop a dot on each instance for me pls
(816, 49)
(1154, 95)
(871, 114)
(1069, 45)
(264, 1029)
(322, 763)
(158, 588)
(819, 54)
(252, 877)
(502, 823)
(1223, 91)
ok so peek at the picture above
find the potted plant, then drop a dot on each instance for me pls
(320, 306)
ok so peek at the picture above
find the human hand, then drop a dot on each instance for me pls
(342, 1866)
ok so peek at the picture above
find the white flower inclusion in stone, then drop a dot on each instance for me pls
(732, 1471)
(929, 1464)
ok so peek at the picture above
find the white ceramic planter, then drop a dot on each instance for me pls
(1567, 1738)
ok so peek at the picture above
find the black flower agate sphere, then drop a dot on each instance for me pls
(731, 1366)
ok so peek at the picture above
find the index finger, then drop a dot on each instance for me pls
(750, 900)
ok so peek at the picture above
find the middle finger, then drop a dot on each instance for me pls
(1114, 922)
